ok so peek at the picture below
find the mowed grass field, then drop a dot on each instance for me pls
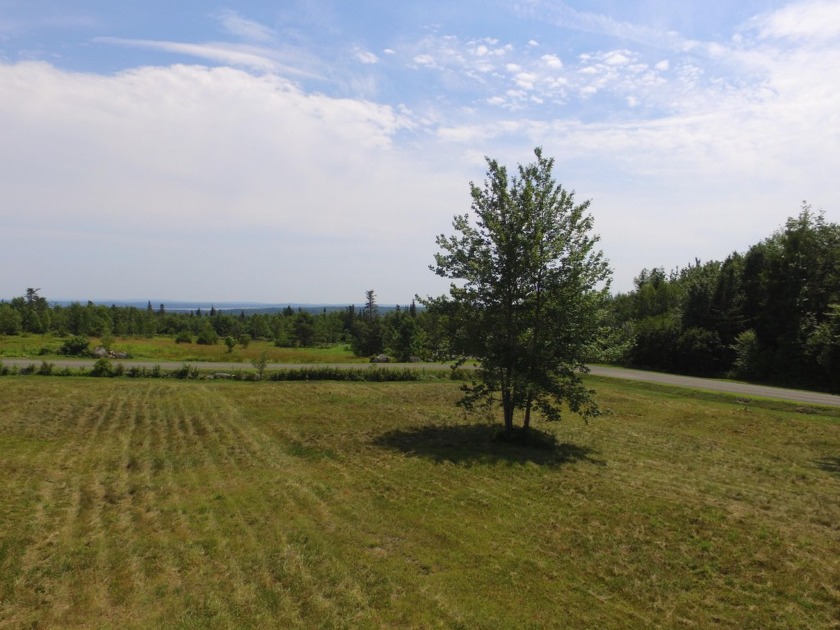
(194, 504)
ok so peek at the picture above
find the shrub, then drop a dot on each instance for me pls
(748, 356)
(102, 367)
(185, 336)
(185, 371)
(75, 346)
(260, 364)
(45, 369)
(207, 337)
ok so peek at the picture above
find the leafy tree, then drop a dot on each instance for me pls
(529, 285)
(10, 320)
(207, 336)
(402, 336)
(303, 327)
(260, 364)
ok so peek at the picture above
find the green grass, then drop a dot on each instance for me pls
(201, 504)
(165, 349)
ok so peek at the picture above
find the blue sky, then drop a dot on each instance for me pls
(306, 151)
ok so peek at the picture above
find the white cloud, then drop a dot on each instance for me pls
(366, 57)
(425, 60)
(220, 52)
(561, 14)
(617, 58)
(525, 80)
(236, 25)
(810, 20)
(194, 156)
(552, 61)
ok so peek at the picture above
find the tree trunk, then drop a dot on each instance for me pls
(507, 405)
(526, 422)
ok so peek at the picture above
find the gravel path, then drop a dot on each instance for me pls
(707, 384)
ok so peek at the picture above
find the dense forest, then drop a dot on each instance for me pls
(770, 315)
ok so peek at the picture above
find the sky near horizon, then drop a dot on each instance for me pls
(307, 151)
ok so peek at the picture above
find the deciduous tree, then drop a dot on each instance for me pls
(528, 284)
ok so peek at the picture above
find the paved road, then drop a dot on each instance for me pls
(715, 385)
(707, 384)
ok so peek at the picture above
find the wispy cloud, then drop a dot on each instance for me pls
(244, 28)
(238, 55)
(365, 56)
(562, 15)
(814, 20)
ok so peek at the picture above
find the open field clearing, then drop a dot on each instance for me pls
(194, 504)
(165, 349)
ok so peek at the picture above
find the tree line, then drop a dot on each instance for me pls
(402, 333)
(770, 315)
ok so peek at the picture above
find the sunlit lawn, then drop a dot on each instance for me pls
(158, 503)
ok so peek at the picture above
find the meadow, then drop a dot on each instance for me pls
(160, 348)
(210, 504)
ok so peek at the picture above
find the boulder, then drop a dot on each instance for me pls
(381, 358)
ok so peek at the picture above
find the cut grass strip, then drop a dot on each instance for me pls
(225, 504)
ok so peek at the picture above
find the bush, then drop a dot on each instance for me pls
(749, 358)
(103, 368)
(184, 372)
(207, 337)
(374, 375)
(185, 336)
(75, 346)
(45, 369)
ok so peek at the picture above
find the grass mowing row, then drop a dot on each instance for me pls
(200, 504)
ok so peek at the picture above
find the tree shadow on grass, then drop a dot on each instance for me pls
(469, 444)
(829, 464)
